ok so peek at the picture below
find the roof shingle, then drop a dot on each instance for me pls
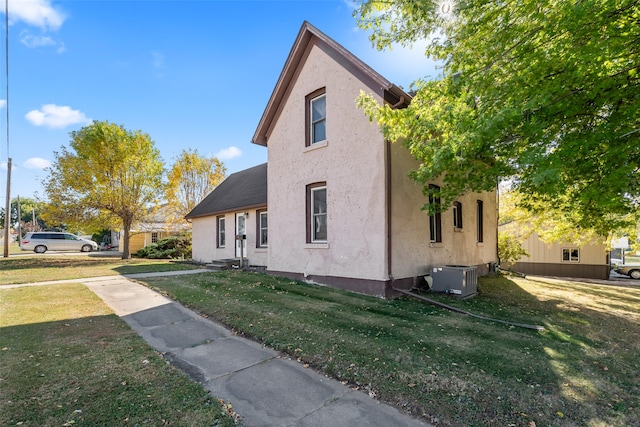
(240, 190)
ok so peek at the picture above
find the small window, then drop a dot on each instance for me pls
(316, 117)
(221, 232)
(457, 214)
(154, 237)
(435, 219)
(263, 229)
(479, 220)
(570, 255)
(317, 213)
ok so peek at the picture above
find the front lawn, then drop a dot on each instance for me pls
(36, 268)
(66, 359)
(448, 368)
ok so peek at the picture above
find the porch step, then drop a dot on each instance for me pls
(224, 264)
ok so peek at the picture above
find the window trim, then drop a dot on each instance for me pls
(435, 219)
(221, 238)
(480, 221)
(311, 188)
(322, 92)
(570, 253)
(155, 237)
(259, 228)
(457, 215)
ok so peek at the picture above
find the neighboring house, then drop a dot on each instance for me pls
(156, 226)
(239, 200)
(342, 209)
(562, 259)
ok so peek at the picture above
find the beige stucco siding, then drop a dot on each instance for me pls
(204, 242)
(352, 165)
(413, 254)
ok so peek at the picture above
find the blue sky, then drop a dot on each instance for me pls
(191, 74)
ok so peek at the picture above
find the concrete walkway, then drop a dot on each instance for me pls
(263, 386)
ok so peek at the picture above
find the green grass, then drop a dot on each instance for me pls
(448, 368)
(34, 268)
(66, 359)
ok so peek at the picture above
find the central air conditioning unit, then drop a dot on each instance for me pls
(459, 280)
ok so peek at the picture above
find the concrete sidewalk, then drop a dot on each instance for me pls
(264, 387)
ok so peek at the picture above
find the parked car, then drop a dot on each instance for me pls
(632, 271)
(40, 242)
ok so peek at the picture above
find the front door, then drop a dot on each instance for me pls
(241, 230)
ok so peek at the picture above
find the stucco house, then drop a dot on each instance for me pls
(342, 210)
(239, 200)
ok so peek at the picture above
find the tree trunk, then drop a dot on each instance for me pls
(126, 253)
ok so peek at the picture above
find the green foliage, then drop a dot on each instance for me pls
(509, 248)
(106, 179)
(28, 207)
(546, 93)
(191, 178)
(173, 247)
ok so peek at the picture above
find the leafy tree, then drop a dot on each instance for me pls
(191, 178)
(28, 208)
(509, 248)
(545, 93)
(108, 177)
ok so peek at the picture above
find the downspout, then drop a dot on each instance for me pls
(388, 182)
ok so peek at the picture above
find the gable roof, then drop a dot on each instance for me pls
(241, 190)
(308, 37)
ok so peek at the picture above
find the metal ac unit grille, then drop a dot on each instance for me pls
(460, 280)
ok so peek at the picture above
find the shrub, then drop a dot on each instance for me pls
(172, 247)
(509, 249)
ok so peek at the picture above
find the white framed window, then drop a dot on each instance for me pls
(316, 117)
(317, 218)
(263, 229)
(570, 255)
(154, 237)
(221, 232)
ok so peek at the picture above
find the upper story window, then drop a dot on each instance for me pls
(435, 219)
(316, 117)
(317, 213)
(457, 214)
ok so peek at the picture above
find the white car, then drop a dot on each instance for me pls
(42, 241)
(632, 271)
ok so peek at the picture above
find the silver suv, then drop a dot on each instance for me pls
(41, 241)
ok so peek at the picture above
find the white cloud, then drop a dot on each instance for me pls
(229, 153)
(56, 116)
(38, 13)
(3, 103)
(29, 40)
(36, 163)
(3, 166)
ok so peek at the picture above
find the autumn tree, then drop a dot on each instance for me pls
(107, 177)
(544, 93)
(191, 178)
